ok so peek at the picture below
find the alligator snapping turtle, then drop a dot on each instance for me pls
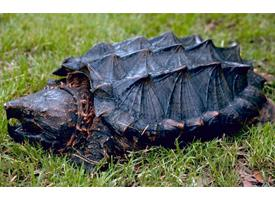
(139, 93)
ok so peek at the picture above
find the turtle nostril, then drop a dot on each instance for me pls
(13, 109)
(11, 105)
(8, 110)
(6, 105)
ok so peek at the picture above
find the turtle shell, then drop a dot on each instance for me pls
(166, 86)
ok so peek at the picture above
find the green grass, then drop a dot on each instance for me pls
(32, 46)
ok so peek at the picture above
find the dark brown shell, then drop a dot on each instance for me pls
(167, 86)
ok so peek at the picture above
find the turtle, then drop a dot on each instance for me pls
(139, 93)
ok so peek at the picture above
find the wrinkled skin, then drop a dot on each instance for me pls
(119, 104)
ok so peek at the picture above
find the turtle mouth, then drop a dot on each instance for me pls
(23, 130)
(20, 126)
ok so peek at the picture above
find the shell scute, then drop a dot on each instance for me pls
(166, 77)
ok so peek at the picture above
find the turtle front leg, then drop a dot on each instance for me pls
(92, 150)
(102, 143)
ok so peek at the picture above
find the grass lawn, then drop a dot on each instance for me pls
(32, 46)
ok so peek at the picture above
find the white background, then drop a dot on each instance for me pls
(147, 193)
(141, 6)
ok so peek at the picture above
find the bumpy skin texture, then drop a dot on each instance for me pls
(142, 92)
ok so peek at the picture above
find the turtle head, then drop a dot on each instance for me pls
(49, 116)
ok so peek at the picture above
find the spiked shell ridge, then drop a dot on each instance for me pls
(167, 86)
